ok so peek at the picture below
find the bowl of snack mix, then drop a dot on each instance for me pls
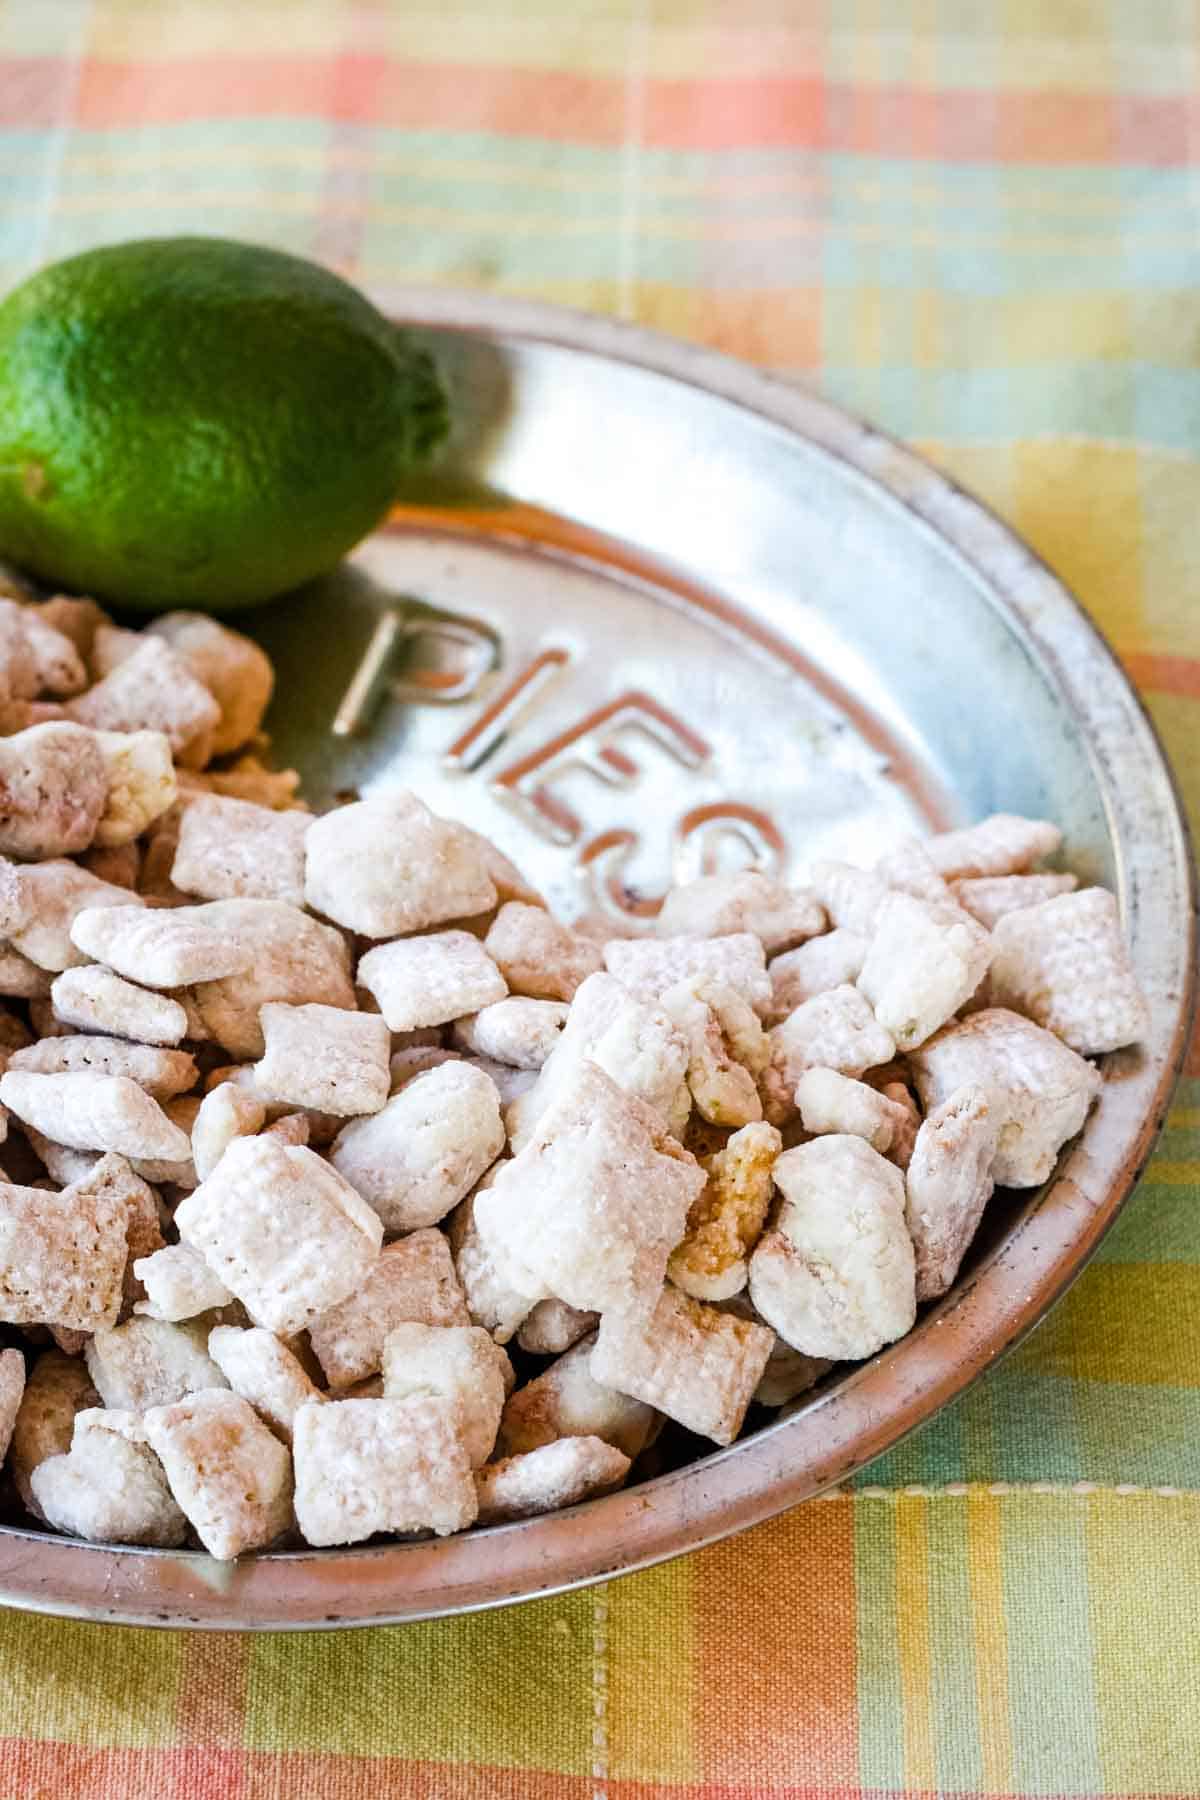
(574, 1033)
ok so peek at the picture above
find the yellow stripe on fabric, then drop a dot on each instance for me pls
(1126, 1323)
(1144, 1583)
(1111, 519)
(513, 1689)
(913, 1638)
(88, 1684)
(652, 1675)
(991, 1639)
(1176, 718)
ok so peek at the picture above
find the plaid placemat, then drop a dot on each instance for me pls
(975, 221)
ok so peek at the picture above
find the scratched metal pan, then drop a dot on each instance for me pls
(659, 614)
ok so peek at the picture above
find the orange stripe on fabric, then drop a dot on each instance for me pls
(775, 1655)
(1163, 674)
(279, 1776)
(711, 113)
(356, 90)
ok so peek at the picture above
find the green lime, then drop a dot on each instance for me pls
(195, 422)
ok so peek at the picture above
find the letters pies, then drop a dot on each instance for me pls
(346, 1191)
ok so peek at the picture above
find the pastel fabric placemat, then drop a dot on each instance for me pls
(975, 221)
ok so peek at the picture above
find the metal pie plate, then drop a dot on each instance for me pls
(656, 615)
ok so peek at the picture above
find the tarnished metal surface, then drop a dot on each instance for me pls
(662, 614)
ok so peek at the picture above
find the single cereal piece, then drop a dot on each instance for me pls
(727, 1049)
(112, 1182)
(179, 1284)
(459, 1364)
(836, 1030)
(989, 898)
(151, 690)
(1003, 844)
(163, 1073)
(40, 903)
(719, 905)
(520, 1032)
(148, 1362)
(141, 784)
(852, 897)
(904, 1137)
(263, 1371)
(540, 1481)
(1064, 964)
(21, 979)
(591, 1208)
(78, 620)
(697, 1365)
(229, 1111)
(107, 1489)
(553, 1327)
(94, 1112)
(568, 1401)
(364, 1466)
(1041, 1089)
(537, 956)
(232, 849)
(58, 667)
(12, 1387)
(56, 1389)
(413, 1280)
(428, 1146)
(949, 1183)
(386, 865)
(292, 959)
(325, 1058)
(62, 1256)
(726, 1221)
(834, 960)
(431, 980)
(836, 1277)
(491, 1300)
(94, 999)
(830, 1103)
(229, 1473)
(236, 672)
(161, 948)
(632, 1040)
(926, 959)
(285, 1233)
(53, 788)
(649, 966)
(909, 869)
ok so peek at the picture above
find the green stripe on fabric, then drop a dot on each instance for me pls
(1046, 1605)
(879, 1691)
(954, 1691)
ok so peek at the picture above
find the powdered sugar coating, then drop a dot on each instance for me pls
(364, 1466)
(431, 980)
(416, 1158)
(697, 1365)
